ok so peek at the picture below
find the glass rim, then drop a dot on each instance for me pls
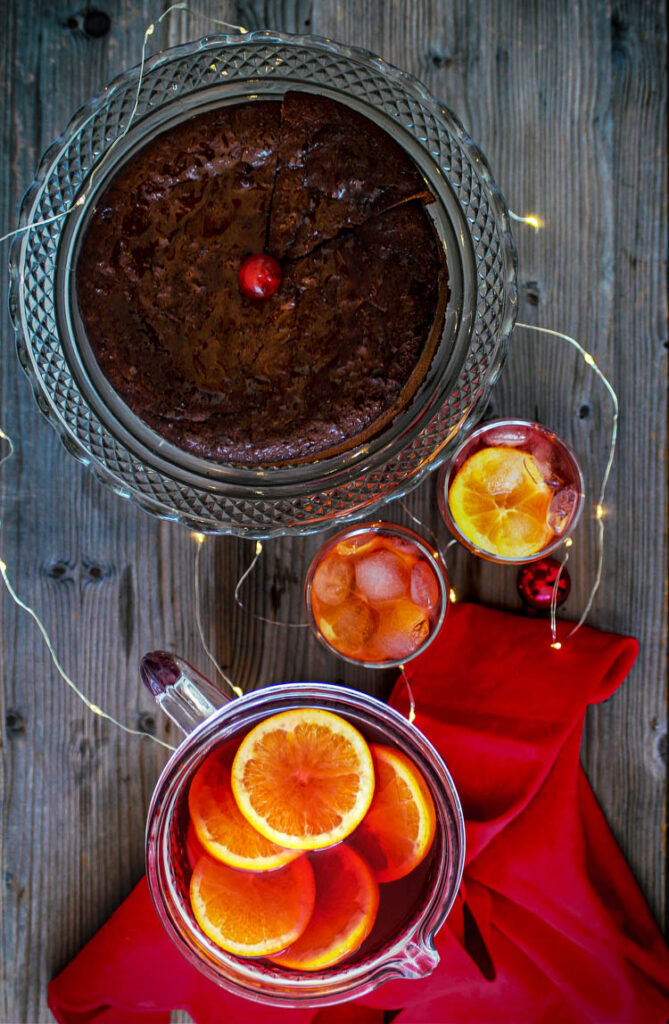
(444, 481)
(432, 556)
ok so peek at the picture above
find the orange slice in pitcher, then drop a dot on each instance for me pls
(252, 913)
(399, 827)
(347, 899)
(303, 778)
(499, 499)
(220, 826)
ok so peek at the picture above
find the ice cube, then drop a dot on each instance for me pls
(424, 587)
(349, 626)
(402, 630)
(403, 546)
(333, 579)
(505, 437)
(561, 509)
(542, 453)
(507, 477)
(382, 576)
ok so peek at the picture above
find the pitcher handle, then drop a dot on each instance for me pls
(183, 693)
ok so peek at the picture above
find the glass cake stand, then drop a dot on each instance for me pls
(470, 217)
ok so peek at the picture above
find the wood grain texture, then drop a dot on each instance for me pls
(568, 102)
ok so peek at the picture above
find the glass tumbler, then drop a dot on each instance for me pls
(376, 594)
(536, 478)
(209, 720)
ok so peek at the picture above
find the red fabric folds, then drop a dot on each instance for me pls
(549, 926)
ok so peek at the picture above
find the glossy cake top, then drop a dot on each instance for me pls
(342, 344)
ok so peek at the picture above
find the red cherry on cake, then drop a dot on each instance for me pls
(259, 276)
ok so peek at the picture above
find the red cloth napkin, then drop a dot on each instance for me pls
(549, 926)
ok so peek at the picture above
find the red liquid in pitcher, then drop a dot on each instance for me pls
(371, 868)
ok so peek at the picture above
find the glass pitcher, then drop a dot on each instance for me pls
(209, 719)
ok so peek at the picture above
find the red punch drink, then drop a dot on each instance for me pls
(353, 860)
(513, 491)
(305, 842)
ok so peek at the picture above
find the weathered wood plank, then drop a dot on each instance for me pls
(568, 101)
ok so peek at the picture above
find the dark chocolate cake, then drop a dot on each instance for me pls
(342, 344)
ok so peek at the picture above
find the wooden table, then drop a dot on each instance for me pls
(567, 100)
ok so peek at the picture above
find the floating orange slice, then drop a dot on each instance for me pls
(252, 913)
(347, 899)
(219, 824)
(359, 544)
(399, 827)
(499, 499)
(303, 778)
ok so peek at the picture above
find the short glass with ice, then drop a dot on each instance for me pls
(512, 492)
(376, 594)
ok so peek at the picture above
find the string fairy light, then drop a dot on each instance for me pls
(599, 505)
(199, 539)
(531, 219)
(7, 455)
(80, 201)
(412, 703)
(94, 708)
(148, 32)
(261, 618)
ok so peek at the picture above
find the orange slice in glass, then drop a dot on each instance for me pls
(252, 913)
(347, 899)
(303, 778)
(499, 499)
(359, 544)
(220, 826)
(399, 827)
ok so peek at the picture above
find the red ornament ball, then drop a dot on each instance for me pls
(259, 276)
(536, 583)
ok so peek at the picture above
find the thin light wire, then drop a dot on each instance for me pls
(147, 33)
(94, 708)
(599, 508)
(442, 552)
(261, 618)
(423, 526)
(555, 643)
(42, 628)
(82, 198)
(216, 21)
(7, 455)
(63, 674)
(412, 703)
(531, 219)
(40, 223)
(199, 537)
